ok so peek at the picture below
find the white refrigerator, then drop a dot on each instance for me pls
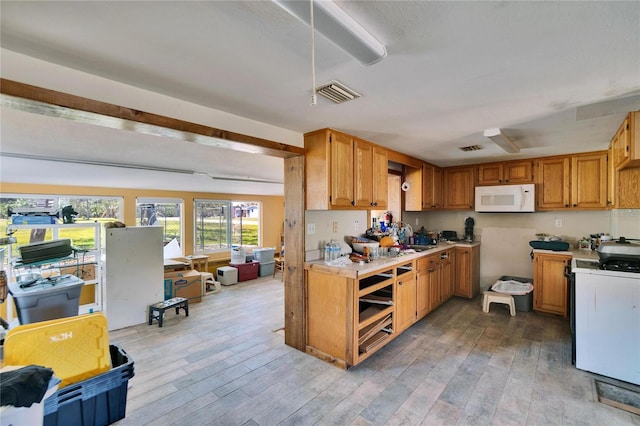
(134, 274)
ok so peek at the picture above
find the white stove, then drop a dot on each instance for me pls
(605, 320)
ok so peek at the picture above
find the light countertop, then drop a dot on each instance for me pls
(355, 270)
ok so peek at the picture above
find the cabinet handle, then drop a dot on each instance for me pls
(507, 180)
(353, 203)
(399, 282)
(499, 180)
(566, 205)
(575, 205)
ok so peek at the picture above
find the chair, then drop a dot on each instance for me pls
(201, 264)
(279, 263)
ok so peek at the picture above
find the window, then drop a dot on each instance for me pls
(161, 212)
(56, 209)
(221, 224)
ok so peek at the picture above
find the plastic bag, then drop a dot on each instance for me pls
(512, 287)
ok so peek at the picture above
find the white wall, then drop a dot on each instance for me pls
(349, 223)
(505, 236)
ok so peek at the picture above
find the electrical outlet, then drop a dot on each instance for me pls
(355, 226)
(558, 223)
(311, 228)
(416, 220)
(335, 227)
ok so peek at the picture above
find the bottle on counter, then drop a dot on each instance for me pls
(327, 252)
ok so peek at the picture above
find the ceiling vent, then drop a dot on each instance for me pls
(470, 148)
(337, 92)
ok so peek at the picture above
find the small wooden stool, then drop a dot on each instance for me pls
(156, 311)
(492, 296)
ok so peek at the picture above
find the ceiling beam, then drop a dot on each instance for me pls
(38, 100)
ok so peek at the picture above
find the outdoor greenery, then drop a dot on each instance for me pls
(211, 226)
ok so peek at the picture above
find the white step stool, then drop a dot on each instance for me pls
(209, 285)
(492, 296)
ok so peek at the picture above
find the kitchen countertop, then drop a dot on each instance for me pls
(355, 270)
(576, 253)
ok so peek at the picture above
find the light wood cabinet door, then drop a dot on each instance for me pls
(458, 188)
(431, 187)
(423, 303)
(467, 271)
(446, 278)
(363, 176)
(589, 181)
(553, 189)
(612, 180)
(342, 173)
(413, 198)
(628, 195)
(550, 284)
(380, 180)
(406, 302)
(509, 172)
(516, 172)
(490, 174)
(621, 145)
(626, 143)
(434, 279)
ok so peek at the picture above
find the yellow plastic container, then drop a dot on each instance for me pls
(76, 348)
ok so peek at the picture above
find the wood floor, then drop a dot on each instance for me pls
(226, 364)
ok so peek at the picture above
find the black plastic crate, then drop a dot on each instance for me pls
(98, 401)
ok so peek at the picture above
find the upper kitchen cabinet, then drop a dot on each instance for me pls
(343, 172)
(431, 187)
(589, 181)
(458, 188)
(572, 182)
(509, 172)
(626, 142)
(413, 196)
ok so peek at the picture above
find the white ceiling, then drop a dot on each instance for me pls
(453, 69)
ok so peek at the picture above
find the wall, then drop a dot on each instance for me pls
(505, 236)
(349, 223)
(271, 225)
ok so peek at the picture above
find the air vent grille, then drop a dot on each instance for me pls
(470, 148)
(337, 92)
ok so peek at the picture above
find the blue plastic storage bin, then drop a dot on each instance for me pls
(98, 401)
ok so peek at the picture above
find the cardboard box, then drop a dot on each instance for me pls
(187, 284)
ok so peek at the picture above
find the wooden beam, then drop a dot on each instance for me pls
(294, 289)
(37, 100)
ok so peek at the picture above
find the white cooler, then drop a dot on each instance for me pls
(227, 275)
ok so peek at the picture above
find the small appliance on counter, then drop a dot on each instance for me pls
(468, 229)
(450, 236)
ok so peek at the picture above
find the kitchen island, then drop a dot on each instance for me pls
(354, 310)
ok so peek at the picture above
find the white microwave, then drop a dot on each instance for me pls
(505, 198)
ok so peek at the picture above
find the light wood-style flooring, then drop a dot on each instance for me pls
(226, 364)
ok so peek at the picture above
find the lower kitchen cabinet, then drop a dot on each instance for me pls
(423, 301)
(352, 313)
(406, 302)
(550, 286)
(434, 281)
(467, 271)
(350, 317)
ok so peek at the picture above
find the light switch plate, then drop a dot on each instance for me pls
(311, 228)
